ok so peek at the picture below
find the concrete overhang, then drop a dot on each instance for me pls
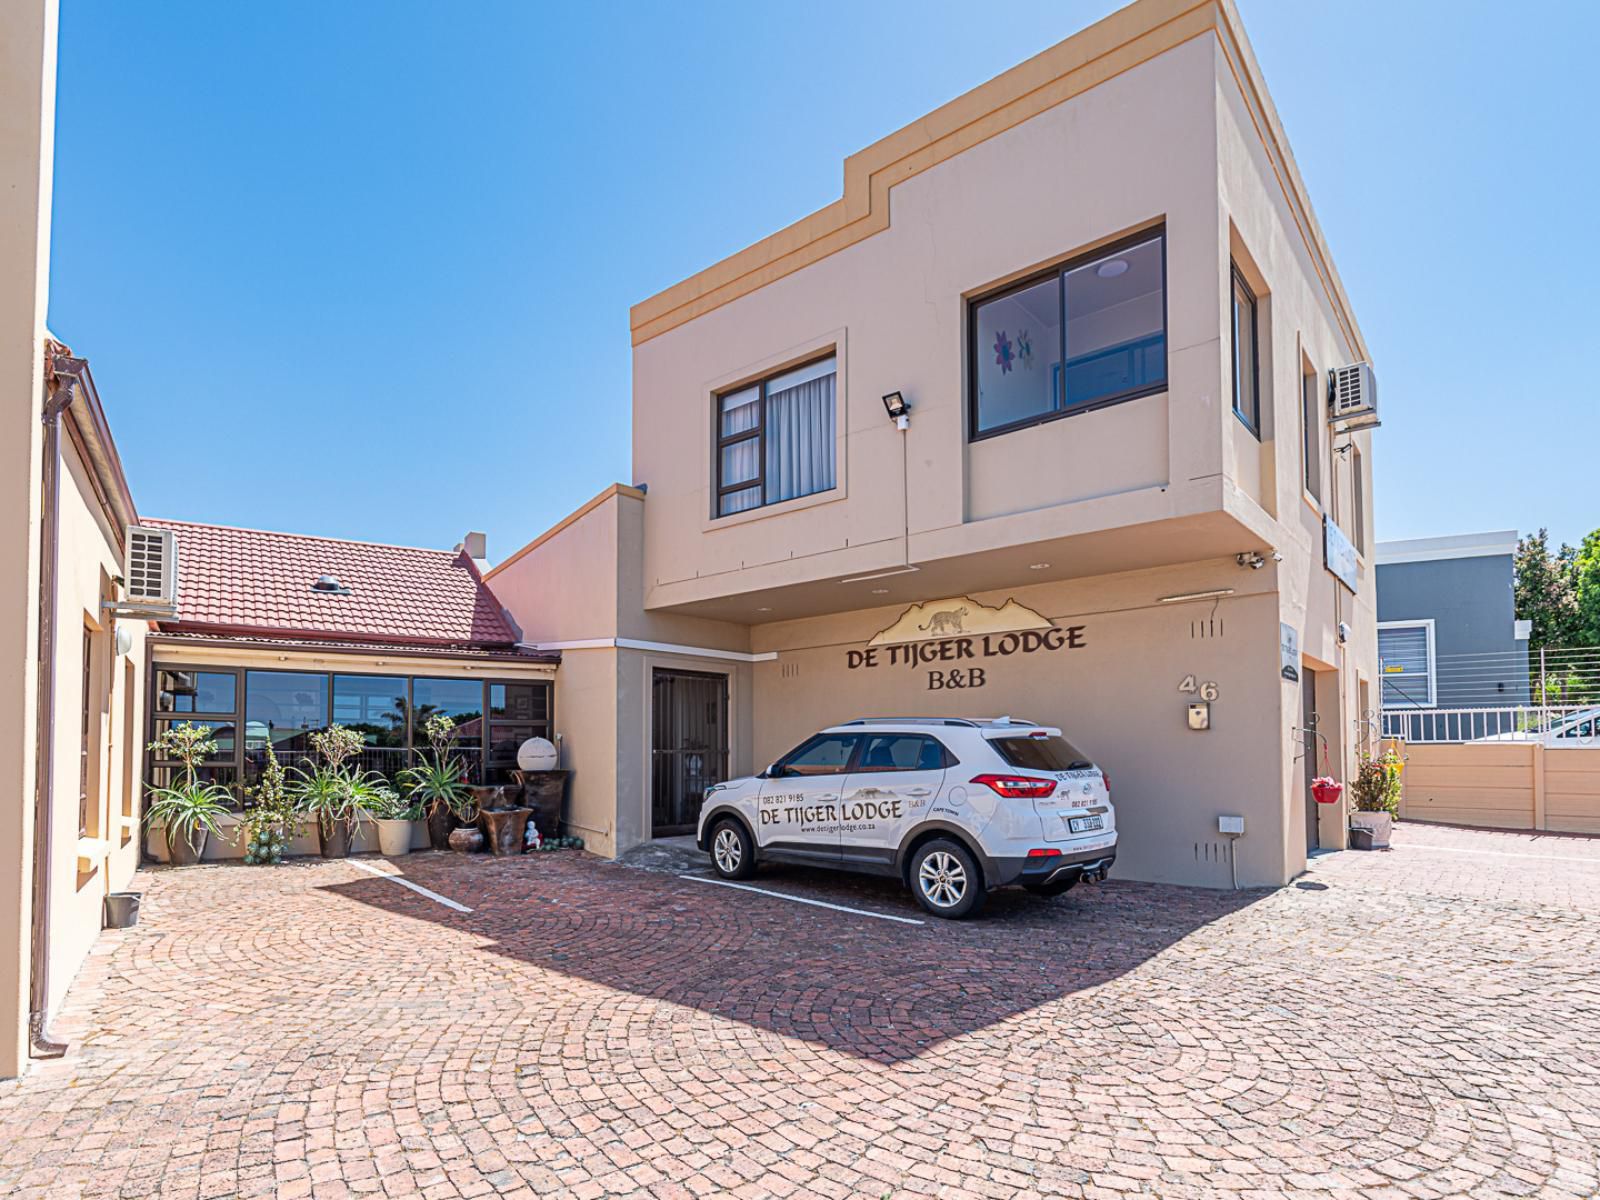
(1214, 521)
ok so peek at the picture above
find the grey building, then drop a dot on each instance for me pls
(1448, 636)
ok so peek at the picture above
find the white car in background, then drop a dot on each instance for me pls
(954, 807)
(1566, 731)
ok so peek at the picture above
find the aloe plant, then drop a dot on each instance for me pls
(189, 808)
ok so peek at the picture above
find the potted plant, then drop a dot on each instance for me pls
(333, 793)
(189, 809)
(437, 785)
(393, 816)
(1376, 792)
(270, 822)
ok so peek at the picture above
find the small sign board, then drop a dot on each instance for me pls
(1338, 555)
(1289, 651)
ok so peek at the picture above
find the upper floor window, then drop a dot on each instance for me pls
(1311, 429)
(1090, 333)
(775, 438)
(1246, 377)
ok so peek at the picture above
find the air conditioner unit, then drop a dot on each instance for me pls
(150, 585)
(1353, 397)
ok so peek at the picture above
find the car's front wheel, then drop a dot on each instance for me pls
(946, 879)
(733, 856)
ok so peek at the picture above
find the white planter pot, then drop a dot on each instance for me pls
(1380, 824)
(394, 837)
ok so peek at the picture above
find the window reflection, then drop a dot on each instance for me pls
(373, 705)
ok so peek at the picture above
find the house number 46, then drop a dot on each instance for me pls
(1206, 691)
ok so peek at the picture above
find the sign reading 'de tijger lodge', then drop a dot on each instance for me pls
(956, 639)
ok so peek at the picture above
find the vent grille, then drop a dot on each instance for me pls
(1355, 394)
(152, 572)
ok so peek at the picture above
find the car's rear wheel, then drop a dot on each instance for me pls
(732, 854)
(946, 879)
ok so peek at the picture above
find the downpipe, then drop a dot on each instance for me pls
(40, 1042)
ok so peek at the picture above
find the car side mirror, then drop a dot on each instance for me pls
(774, 772)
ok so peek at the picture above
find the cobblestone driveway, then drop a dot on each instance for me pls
(1415, 1024)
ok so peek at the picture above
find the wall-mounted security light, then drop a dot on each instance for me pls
(1252, 559)
(899, 411)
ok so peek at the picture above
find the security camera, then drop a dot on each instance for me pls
(1344, 633)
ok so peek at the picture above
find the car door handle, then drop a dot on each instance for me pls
(917, 791)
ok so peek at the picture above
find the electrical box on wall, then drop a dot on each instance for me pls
(1200, 715)
(1233, 825)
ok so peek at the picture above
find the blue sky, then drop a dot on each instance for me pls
(364, 269)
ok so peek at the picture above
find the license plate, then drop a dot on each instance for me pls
(1085, 824)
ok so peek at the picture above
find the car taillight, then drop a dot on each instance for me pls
(1106, 779)
(1044, 853)
(1017, 787)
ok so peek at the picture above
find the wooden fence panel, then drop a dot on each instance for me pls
(1501, 785)
(1572, 790)
(1488, 785)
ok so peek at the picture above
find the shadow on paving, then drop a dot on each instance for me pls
(880, 990)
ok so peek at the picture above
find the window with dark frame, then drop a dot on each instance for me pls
(88, 707)
(1311, 431)
(1358, 504)
(1246, 372)
(286, 706)
(1083, 335)
(775, 438)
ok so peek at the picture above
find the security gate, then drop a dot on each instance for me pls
(689, 746)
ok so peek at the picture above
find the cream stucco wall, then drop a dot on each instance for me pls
(578, 587)
(27, 125)
(85, 868)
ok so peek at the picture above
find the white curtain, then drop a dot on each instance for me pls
(800, 435)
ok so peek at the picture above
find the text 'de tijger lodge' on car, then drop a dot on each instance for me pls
(953, 807)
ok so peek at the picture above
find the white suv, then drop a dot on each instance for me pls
(953, 807)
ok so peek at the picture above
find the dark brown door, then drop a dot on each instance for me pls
(689, 746)
(1313, 748)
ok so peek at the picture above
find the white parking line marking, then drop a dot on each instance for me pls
(745, 887)
(406, 883)
(1593, 862)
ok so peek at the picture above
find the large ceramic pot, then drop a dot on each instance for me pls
(467, 839)
(545, 793)
(394, 837)
(335, 837)
(1377, 826)
(186, 851)
(504, 829)
(440, 822)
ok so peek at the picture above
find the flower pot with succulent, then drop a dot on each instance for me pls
(1376, 792)
(270, 820)
(393, 817)
(437, 785)
(334, 792)
(188, 810)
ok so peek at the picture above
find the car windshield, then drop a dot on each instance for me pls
(1050, 753)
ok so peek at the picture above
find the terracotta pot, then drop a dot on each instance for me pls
(504, 829)
(186, 852)
(467, 840)
(440, 823)
(394, 837)
(335, 838)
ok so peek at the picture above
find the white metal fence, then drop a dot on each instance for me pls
(1556, 725)
(1545, 695)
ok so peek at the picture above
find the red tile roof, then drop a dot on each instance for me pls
(246, 581)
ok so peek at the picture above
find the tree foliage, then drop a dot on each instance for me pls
(1547, 591)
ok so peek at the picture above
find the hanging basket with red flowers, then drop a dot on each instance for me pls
(1326, 789)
